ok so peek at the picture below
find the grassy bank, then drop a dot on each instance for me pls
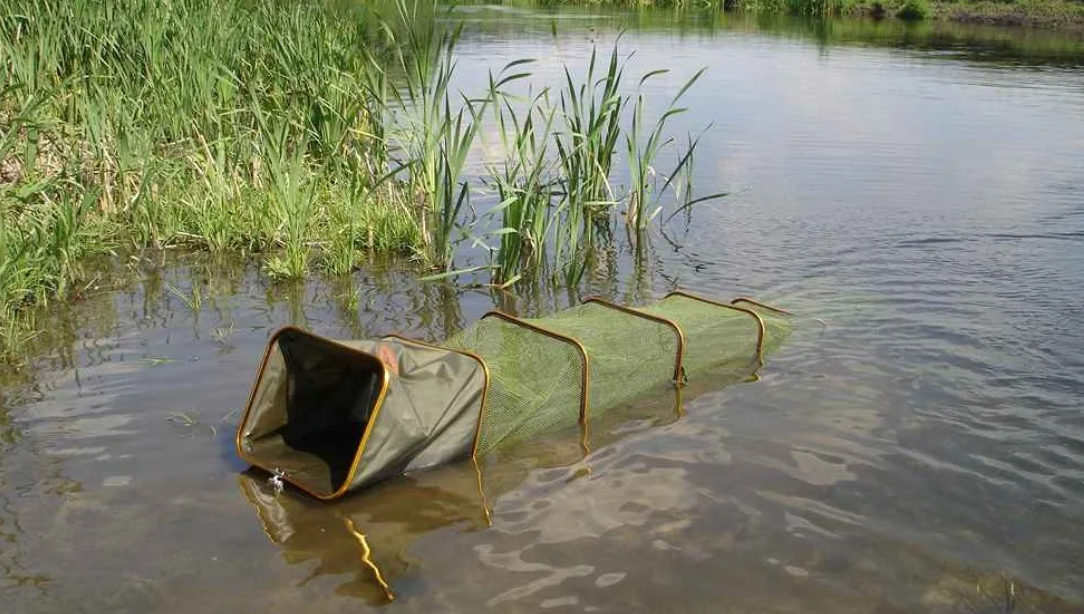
(1034, 13)
(307, 135)
(227, 126)
(1068, 14)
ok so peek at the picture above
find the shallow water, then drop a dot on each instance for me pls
(921, 191)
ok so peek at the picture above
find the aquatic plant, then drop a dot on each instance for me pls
(300, 135)
(643, 146)
(192, 299)
(591, 113)
(524, 189)
(432, 126)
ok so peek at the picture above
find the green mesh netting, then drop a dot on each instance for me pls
(536, 379)
(628, 354)
(715, 335)
(777, 326)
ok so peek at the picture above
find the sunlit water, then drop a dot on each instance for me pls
(925, 199)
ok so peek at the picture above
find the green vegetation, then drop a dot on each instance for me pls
(1039, 13)
(218, 125)
(913, 10)
(307, 135)
(1068, 14)
(566, 202)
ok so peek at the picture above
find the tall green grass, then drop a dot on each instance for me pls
(435, 131)
(524, 187)
(236, 127)
(307, 135)
(163, 102)
(591, 113)
(561, 149)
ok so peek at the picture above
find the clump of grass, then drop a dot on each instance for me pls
(149, 124)
(222, 334)
(436, 129)
(913, 10)
(553, 183)
(301, 135)
(293, 197)
(643, 145)
(524, 189)
(591, 112)
(193, 299)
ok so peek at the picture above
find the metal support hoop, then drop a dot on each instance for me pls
(585, 385)
(756, 316)
(746, 299)
(679, 368)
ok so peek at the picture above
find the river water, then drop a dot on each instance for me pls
(920, 190)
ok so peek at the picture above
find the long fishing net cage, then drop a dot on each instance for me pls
(329, 416)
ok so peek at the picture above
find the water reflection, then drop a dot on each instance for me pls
(367, 536)
(992, 45)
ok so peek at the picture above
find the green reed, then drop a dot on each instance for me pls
(524, 186)
(434, 127)
(303, 135)
(591, 111)
(554, 207)
(643, 144)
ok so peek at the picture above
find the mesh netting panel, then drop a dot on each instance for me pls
(629, 355)
(714, 335)
(535, 380)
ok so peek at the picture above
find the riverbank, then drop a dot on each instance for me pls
(232, 127)
(310, 136)
(1060, 14)
(1057, 14)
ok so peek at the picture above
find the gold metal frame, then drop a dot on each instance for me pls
(486, 513)
(756, 316)
(485, 372)
(367, 557)
(680, 334)
(755, 303)
(384, 379)
(586, 379)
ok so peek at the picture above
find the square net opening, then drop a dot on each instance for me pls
(322, 405)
